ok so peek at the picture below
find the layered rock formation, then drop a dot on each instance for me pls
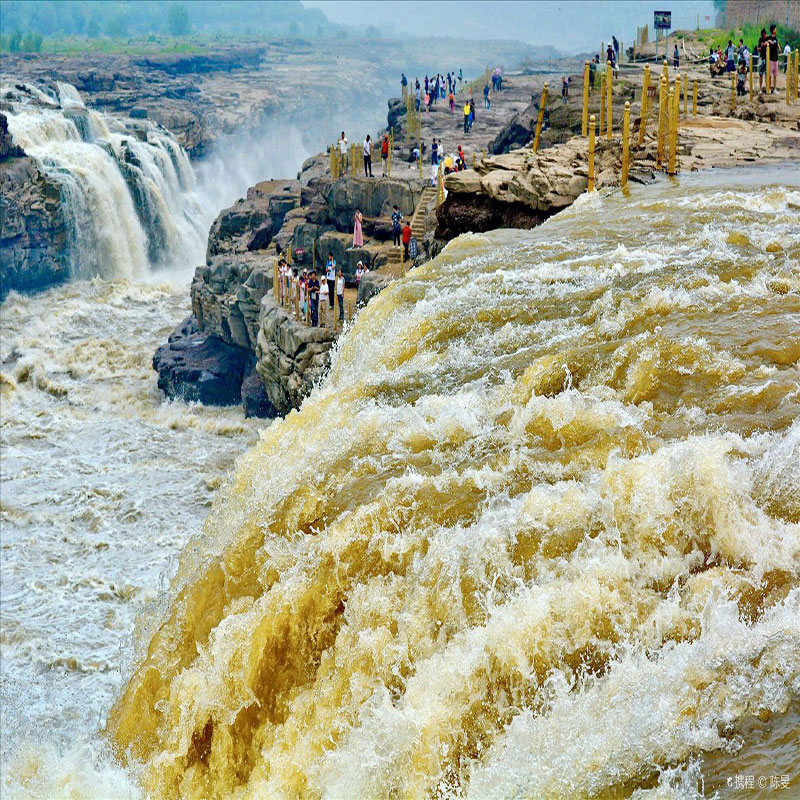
(231, 294)
(33, 233)
(520, 189)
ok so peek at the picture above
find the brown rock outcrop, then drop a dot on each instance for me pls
(33, 232)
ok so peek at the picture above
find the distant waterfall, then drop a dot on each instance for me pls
(127, 188)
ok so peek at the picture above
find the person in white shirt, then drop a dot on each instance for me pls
(367, 157)
(330, 277)
(343, 152)
(340, 294)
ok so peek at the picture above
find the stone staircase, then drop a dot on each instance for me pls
(418, 230)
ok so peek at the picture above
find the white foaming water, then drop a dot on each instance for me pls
(127, 188)
(102, 482)
(536, 535)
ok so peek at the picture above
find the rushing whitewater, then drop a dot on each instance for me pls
(537, 535)
(127, 188)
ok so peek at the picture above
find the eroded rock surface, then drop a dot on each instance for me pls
(33, 234)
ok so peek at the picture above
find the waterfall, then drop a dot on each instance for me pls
(127, 188)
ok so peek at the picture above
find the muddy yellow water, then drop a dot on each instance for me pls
(537, 535)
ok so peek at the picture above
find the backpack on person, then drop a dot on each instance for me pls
(413, 250)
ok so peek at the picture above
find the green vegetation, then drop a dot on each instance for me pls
(751, 33)
(150, 25)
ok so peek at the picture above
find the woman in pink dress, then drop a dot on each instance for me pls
(358, 236)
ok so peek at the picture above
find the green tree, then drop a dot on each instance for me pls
(92, 28)
(117, 26)
(178, 22)
(14, 41)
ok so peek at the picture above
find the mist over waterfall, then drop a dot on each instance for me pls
(128, 192)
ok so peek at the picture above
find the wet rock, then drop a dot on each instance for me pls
(255, 400)
(33, 233)
(195, 366)
(371, 284)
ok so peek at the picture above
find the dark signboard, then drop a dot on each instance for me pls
(662, 19)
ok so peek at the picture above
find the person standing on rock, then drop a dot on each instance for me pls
(592, 71)
(486, 102)
(417, 96)
(762, 59)
(358, 235)
(340, 294)
(466, 117)
(343, 152)
(452, 103)
(385, 154)
(772, 43)
(396, 217)
(471, 112)
(676, 58)
(323, 295)
(313, 295)
(368, 157)
(330, 277)
(435, 152)
(406, 237)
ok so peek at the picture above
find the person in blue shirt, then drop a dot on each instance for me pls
(486, 101)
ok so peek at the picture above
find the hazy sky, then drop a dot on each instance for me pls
(568, 25)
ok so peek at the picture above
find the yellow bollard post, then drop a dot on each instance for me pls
(673, 137)
(602, 104)
(609, 99)
(694, 98)
(666, 70)
(590, 184)
(275, 281)
(585, 112)
(621, 51)
(676, 98)
(685, 94)
(439, 186)
(751, 77)
(662, 116)
(733, 92)
(626, 129)
(645, 103)
(789, 92)
(349, 310)
(314, 254)
(540, 120)
(796, 73)
(483, 154)
(767, 55)
(473, 160)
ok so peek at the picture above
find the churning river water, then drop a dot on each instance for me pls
(537, 534)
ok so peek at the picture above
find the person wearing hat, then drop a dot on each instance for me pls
(359, 273)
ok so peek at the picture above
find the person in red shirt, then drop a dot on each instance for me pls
(385, 153)
(406, 238)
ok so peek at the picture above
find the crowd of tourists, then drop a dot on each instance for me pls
(305, 289)
(736, 58)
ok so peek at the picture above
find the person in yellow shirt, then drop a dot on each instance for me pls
(466, 117)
